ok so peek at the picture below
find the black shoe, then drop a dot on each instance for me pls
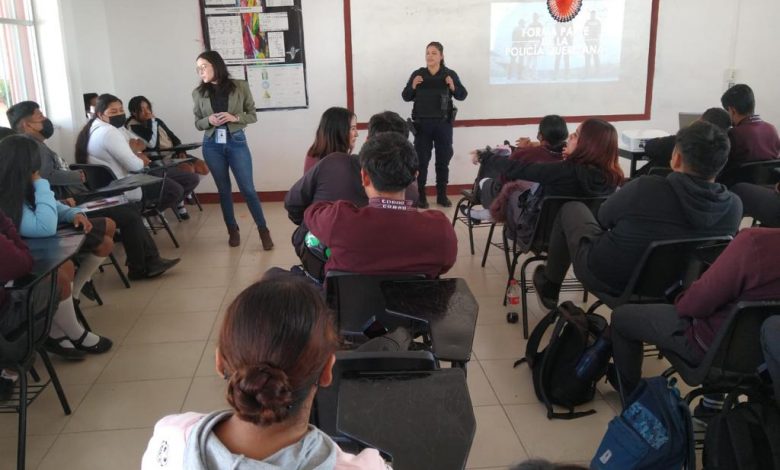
(160, 266)
(422, 201)
(103, 344)
(136, 275)
(443, 200)
(546, 290)
(53, 346)
(6, 389)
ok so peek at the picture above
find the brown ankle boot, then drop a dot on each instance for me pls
(265, 238)
(234, 236)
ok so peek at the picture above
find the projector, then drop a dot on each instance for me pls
(634, 141)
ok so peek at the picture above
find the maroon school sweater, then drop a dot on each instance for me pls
(748, 269)
(753, 139)
(15, 258)
(383, 238)
(537, 154)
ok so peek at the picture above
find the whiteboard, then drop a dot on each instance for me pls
(388, 42)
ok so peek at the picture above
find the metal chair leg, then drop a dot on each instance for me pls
(119, 271)
(55, 380)
(21, 444)
(196, 201)
(487, 245)
(80, 316)
(168, 228)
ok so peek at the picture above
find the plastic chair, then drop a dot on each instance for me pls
(18, 348)
(539, 245)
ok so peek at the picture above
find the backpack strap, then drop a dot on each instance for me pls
(532, 347)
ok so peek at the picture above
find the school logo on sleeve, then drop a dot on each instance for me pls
(564, 10)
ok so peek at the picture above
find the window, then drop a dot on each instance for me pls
(20, 71)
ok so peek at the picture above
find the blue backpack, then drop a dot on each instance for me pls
(653, 431)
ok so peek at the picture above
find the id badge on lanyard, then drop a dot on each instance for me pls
(221, 135)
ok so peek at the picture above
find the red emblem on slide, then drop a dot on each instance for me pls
(564, 10)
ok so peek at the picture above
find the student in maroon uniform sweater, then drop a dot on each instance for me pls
(749, 269)
(15, 262)
(388, 235)
(752, 139)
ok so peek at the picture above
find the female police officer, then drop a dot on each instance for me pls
(432, 89)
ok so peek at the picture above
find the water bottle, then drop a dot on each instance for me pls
(593, 358)
(512, 301)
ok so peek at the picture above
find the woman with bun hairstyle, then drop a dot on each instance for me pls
(276, 347)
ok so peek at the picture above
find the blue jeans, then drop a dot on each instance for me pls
(233, 155)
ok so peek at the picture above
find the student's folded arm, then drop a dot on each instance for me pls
(41, 221)
(300, 196)
(120, 150)
(723, 282)
(66, 213)
(321, 217)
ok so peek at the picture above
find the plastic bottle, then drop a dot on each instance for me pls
(592, 359)
(512, 301)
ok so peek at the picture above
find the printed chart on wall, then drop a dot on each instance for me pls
(262, 43)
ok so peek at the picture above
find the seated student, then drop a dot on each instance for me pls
(752, 139)
(155, 134)
(15, 262)
(748, 269)
(337, 178)
(658, 151)
(276, 348)
(337, 132)
(550, 148)
(770, 343)
(29, 202)
(102, 142)
(143, 259)
(687, 203)
(760, 202)
(590, 169)
(388, 235)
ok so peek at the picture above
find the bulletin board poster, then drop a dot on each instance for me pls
(262, 43)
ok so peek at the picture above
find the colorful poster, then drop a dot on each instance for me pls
(262, 42)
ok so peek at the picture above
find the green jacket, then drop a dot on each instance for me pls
(240, 104)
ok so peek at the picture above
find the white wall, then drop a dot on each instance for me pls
(149, 46)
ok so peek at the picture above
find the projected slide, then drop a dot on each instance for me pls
(528, 46)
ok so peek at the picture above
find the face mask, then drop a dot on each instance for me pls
(117, 121)
(48, 128)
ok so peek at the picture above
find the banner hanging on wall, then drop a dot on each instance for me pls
(262, 43)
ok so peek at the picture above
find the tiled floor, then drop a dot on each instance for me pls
(163, 360)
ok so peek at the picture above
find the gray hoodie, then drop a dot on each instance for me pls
(204, 451)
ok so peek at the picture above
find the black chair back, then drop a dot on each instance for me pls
(357, 299)
(668, 263)
(551, 205)
(758, 172)
(325, 408)
(97, 176)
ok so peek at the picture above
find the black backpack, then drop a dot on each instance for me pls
(744, 436)
(553, 368)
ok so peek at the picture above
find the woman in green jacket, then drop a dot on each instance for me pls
(223, 108)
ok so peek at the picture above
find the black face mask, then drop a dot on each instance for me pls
(117, 121)
(48, 128)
